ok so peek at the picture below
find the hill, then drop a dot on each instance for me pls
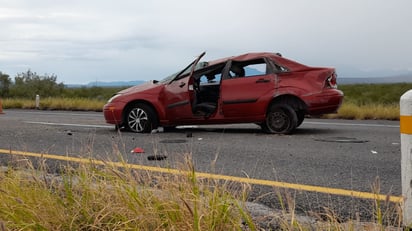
(107, 84)
(407, 78)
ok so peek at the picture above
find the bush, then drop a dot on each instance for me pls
(5, 83)
(28, 84)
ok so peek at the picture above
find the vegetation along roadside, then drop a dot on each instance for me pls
(362, 101)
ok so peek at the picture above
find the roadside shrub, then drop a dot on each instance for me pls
(5, 83)
(29, 84)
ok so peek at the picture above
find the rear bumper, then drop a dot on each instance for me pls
(325, 102)
(113, 113)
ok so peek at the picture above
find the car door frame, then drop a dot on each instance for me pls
(178, 94)
(235, 105)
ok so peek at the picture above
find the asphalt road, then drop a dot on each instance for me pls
(342, 154)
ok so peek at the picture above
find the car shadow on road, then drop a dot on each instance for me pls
(247, 129)
(255, 131)
(314, 131)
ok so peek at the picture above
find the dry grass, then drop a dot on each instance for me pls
(367, 112)
(91, 197)
(108, 198)
(73, 104)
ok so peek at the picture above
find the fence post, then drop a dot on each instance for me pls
(406, 155)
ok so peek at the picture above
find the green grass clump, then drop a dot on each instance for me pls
(108, 198)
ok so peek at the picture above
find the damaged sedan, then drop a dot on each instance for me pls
(263, 88)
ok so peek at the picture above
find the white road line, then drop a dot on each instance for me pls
(353, 124)
(61, 113)
(73, 125)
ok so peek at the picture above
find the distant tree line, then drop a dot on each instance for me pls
(29, 84)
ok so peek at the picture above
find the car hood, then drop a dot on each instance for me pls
(145, 87)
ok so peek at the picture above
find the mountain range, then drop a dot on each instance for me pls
(406, 78)
(108, 84)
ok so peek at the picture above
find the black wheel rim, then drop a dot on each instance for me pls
(137, 120)
(278, 121)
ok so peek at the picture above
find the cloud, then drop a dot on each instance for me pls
(82, 41)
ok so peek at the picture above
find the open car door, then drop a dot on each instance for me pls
(178, 93)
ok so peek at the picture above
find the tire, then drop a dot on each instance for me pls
(301, 117)
(140, 118)
(280, 119)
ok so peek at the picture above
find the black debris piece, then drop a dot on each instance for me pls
(156, 157)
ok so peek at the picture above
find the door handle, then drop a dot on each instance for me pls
(182, 84)
(262, 81)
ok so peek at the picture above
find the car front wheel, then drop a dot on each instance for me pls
(140, 118)
(280, 119)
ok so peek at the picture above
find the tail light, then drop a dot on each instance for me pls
(331, 81)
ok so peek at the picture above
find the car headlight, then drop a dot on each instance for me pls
(113, 97)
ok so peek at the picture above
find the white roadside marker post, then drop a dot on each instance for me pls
(406, 156)
(37, 102)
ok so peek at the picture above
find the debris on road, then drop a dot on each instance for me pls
(137, 150)
(158, 130)
(156, 157)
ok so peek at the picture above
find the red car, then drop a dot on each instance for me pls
(261, 88)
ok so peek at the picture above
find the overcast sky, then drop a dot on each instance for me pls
(83, 41)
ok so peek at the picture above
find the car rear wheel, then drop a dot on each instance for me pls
(140, 118)
(280, 119)
(301, 117)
